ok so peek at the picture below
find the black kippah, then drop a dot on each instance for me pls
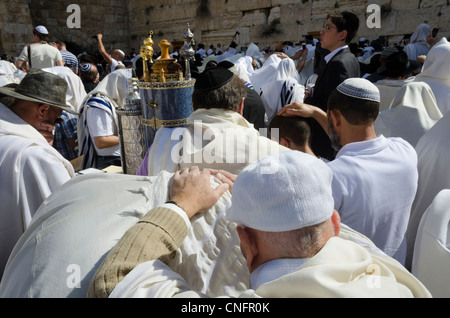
(225, 64)
(213, 78)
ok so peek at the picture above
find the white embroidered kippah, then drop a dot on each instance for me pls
(282, 192)
(359, 88)
(42, 29)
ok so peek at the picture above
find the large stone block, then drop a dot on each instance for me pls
(405, 5)
(239, 5)
(321, 8)
(432, 3)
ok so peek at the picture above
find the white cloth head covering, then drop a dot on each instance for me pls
(421, 33)
(271, 78)
(114, 86)
(282, 192)
(253, 51)
(436, 73)
(413, 112)
(75, 90)
(418, 45)
(243, 68)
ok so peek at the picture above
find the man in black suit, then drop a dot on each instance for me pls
(338, 65)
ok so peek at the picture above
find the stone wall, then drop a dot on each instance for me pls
(126, 23)
(15, 26)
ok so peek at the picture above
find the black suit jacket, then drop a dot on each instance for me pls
(254, 110)
(342, 66)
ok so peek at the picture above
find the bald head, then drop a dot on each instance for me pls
(118, 55)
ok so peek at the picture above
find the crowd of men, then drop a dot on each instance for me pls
(316, 162)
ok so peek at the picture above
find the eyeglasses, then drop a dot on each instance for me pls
(327, 28)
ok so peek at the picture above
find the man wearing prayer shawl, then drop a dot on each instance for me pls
(98, 136)
(433, 151)
(413, 112)
(30, 168)
(278, 84)
(418, 43)
(269, 213)
(436, 73)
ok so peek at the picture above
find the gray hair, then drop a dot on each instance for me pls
(302, 243)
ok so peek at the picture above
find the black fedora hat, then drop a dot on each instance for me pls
(39, 86)
(213, 78)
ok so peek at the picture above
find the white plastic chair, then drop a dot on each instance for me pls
(431, 261)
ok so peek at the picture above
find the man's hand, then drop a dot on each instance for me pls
(192, 191)
(307, 111)
(99, 36)
(301, 54)
(224, 176)
(297, 109)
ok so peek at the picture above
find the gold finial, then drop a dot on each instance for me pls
(146, 53)
(164, 45)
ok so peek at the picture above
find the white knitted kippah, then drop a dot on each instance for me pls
(296, 194)
(359, 88)
(42, 29)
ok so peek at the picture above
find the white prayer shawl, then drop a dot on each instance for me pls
(30, 170)
(342, 269)
(436, 73)
(74, 230)
(253, 51)
(413, 112)
(210, 58)
(229, 56)
(388, 90)
(75, 90)
(243, 67)
(214, 138)
(46, 260)
(418, 43)
(7, 71)
(111, 93)
(433, 151)
(278, 84)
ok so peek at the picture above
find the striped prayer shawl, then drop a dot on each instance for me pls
(87, 148)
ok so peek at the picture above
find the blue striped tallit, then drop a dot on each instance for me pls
(87, 148)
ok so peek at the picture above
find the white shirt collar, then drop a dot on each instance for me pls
(332, 54)
(274, 269)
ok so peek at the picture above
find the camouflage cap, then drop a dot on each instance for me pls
(39, 86)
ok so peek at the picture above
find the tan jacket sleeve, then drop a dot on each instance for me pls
(156, 236)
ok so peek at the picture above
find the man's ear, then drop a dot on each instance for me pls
(343, 35)
(42, 110)
(336, 221)
(336, 117)
(241, 106)
(284, 142)
(248, 245)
